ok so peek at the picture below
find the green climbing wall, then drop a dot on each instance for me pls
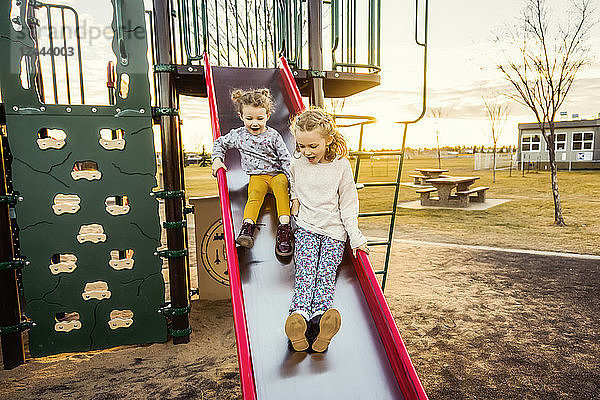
(112, 297)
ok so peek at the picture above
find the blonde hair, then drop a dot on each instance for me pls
(253, 97)
(318, 119)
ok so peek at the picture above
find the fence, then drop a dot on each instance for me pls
(503, 160)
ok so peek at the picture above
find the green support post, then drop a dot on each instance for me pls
(13, 353)
(172, 164)
(315, 51)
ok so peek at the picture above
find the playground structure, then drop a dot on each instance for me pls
(78, 209)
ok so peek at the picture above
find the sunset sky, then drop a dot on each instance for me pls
(460, 69)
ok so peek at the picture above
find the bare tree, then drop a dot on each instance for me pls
(497, 114)
(541, 60)
(437, 113)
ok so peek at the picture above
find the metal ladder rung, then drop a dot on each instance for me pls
(371, 184)
(389, 153)
(372, 153)
(376, 214)
(362, 153)
(378, 243)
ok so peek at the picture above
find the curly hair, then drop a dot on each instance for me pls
(253, 97)
(318, 119)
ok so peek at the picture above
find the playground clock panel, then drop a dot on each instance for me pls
(213, 254)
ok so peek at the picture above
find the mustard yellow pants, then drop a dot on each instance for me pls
(257, 189)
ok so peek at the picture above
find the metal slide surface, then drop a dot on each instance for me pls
(356, 366)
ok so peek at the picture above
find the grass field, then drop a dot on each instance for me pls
(525, 222)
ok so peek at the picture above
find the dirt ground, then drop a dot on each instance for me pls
(478, 325)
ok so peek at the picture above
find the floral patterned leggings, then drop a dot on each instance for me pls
(317, 258)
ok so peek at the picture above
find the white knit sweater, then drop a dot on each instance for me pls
(328, 199)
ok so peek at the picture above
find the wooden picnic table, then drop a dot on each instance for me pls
(431, 172)
(445, 186)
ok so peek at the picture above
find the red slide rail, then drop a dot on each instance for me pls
(405, 373)
(402, 366)
(235, 285)
(290, 86)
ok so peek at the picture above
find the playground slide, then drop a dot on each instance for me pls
(366, 359)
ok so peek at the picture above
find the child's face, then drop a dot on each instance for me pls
(255, 119)
(312, 145)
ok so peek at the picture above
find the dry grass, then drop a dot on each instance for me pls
(199, 182)
(525, 222)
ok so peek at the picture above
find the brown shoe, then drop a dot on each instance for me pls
(329, 325)
(283, 241)
(246, 236)
(295, 329)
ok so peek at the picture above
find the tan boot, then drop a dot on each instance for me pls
(295, 329)
(329, 325)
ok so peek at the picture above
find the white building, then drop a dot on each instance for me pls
(576, 142)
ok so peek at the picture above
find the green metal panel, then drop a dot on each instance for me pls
(39, 175)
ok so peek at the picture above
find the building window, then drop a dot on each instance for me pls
(583, 141)
(560, 141)
(530, 142)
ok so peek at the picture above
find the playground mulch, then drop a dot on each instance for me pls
(493, 325)
(205, 368)
(478, 325)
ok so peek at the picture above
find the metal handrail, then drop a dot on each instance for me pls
(124, 58)
(235, 32)
(363, 120)
(422, 44)
(62, 8)
(150, 21)
(344, 36)
(353, 66)
(255, 33)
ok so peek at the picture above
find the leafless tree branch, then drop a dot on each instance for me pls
(542, 59)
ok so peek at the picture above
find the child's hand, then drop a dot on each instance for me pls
(362, 247)
(216, 165)
(295, 207)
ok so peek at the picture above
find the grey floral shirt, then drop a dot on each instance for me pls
(263, 154)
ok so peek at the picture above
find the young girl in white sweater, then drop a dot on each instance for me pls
(325, 203)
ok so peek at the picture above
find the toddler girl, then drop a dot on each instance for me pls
(325, 202)
(265, 158)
